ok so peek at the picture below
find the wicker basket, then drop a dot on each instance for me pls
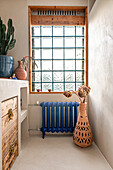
(82, 134)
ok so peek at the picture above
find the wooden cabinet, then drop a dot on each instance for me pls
(9, 132)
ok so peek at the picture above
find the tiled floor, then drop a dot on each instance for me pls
(58, 153)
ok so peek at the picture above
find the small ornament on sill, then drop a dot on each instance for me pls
(13, 76)
(49, 90)
(38, 90)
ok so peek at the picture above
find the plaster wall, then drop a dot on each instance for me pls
(101, 76)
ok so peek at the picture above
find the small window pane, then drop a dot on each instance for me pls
(58, 87)
(69, 76)
(46, 65)
(35, 65)
(58, 65)
(79, 76)
(46, 53)
(69, 42)
(78, 85)
(47, 77)
(57, 76)
(46, 42)
(69, 53)
(36, 86)
(58, 53)
(79, 64)
(36, 77)
(79, 30)
(79, 53)
(46, 30)
(36, 54)
(46, 86)
(36, 31)
(70, 65)
(35, 42)
(70, 86)
(57, 30)
(57, 42)
(79, 42)
(69, 31)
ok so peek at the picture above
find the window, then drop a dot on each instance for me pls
(58, 57)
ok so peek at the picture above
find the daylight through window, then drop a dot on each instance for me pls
(58, 57)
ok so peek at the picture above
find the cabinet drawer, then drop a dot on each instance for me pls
(11, 155)
(8, 104)
(7, 137)
(7, 123)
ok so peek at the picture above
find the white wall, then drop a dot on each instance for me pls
(101, 75)
(18, 12)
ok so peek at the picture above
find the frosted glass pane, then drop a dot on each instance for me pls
(58, 53)
(57, 42)
(36, 54)
(35, 86)
(58, 87)
(46, 42)
(70, 65)
(79, 64)
(79, 76)
(69, 42)
(58, 65)
(46, 54)
(69, 76)
(47, 77)
(69, 53)
(79, 42)
(79, 30)
(69, 31)
(35, 42)
(70, 86)
(35, 64)
(46, 30)
(57, 30)
(78, 85)
(79, 53)
(57, 76)
(46, 86)
(36, 77)
(36, 31)
(46, 65)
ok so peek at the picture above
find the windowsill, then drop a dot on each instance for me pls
(46, 92)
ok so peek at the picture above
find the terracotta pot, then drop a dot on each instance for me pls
(20, 73)
(82, 135)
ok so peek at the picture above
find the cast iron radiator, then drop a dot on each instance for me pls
(58, 117)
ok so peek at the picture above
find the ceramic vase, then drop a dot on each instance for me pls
(82, 135)
(20, 73)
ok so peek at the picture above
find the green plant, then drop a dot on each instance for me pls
(7, 41)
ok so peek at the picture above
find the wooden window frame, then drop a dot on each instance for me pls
(30, 8)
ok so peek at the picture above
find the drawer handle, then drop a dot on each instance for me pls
(10, 114)
(11, 150)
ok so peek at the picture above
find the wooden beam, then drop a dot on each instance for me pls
(57, 20)
(30, 62)
(86, 48)
(68, 8)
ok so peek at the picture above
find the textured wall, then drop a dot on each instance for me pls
(17, 10)
(101, 75)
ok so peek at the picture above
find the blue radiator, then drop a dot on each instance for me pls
(58, 117)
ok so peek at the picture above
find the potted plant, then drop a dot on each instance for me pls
(82, 135)
(7, 42)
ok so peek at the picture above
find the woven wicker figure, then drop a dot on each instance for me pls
(82, 135)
